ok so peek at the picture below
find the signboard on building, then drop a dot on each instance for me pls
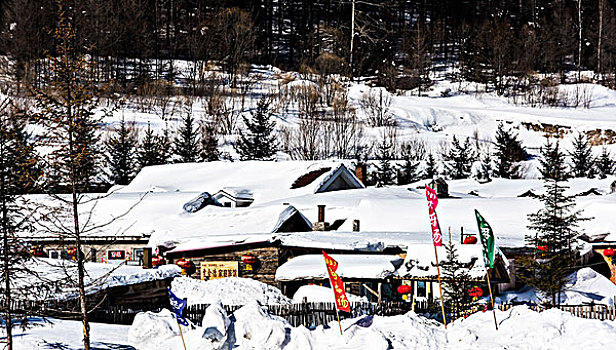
(116, 254)
(219, 269)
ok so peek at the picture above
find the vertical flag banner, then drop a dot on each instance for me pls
(177, 306)
(437, 236)
(487, 240)
(342, 303)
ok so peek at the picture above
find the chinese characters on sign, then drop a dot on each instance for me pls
(437, 237)
(219, 269)
(342, 303)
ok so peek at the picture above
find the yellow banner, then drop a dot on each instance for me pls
(219, 269)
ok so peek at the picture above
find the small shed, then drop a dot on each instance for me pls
(440, 186)
(234, 197)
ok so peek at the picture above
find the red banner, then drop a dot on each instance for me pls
(342, 303)
(437, 237)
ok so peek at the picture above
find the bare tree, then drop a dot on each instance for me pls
(375, 105)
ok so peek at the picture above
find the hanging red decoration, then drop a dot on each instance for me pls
(543, 248)
(475, 292)
(249, 259)
(157, 260)
(185, 263)
(71, 251)
(404, 289)
(470, 240)
(609, 252)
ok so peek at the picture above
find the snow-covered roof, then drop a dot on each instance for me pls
(312, 266)
(267, 180)
(237, 193)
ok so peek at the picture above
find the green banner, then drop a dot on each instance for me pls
(487, 240)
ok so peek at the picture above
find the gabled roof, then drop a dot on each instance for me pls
(236, 193)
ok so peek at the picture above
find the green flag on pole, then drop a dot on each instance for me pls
(487, 240)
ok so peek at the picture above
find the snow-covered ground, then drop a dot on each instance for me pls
(253, 328)
(229, 291)
(585, 286)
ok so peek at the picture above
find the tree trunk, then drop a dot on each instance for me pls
(599, 37)
(5, 242)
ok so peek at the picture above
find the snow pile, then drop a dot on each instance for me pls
(585, 286)
(251, 327)
(229, 291)
(320, 294)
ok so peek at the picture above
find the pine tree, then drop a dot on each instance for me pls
(151, 150)
(605, 163)
(553, 162)
(431, 169)
(556, 229)
(18, 175)
(121, 146)
(509, 150)
(408, 172)
(456, 283)
(186, 145)
(385, 172)
(581, 157)
(485, 173)
(209, 144)
(258, 142)
(462, 157)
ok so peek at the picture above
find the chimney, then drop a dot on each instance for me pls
(320, 225)
(360, 172)
(147, 258)
(355, 225)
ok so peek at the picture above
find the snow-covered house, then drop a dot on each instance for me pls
(234, 197)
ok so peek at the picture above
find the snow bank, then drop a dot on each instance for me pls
(519, 328)
(229, 291)
(585, 286)
(320, 294)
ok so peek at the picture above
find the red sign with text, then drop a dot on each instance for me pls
(342, 303)
(437, 236)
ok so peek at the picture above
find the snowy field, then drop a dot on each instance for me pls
(252, 328)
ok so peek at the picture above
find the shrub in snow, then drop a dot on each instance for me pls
(254, 326)
(150, 329)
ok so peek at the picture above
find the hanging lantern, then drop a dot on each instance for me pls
(71, 251)
(609, 252)
(185, 263)
(249, 259)
(543, 248)
(157, 260)
(470, 240)
(475, 292)
(404, 289)
(37, 251)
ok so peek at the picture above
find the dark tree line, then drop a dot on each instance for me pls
(135, 40)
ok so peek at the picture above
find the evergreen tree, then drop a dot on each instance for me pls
(152, 149)
(509, 150)
(456, 283)
(431, 169)
(408, 172)
(553, 163)
(605, 163)
(485, 173)
(385, 172)
(462, 157)
(258, 141)
(121, 146)
(18, 175)
(581, 157)
(556, 228)
(209, 144)
(186, 145)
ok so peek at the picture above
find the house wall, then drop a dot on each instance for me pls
(265, 271)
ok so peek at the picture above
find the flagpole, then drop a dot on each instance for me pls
(338, 317)
(182, 335)
(440, 291)
(491, 297)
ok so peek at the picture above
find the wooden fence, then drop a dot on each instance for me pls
(597, 312)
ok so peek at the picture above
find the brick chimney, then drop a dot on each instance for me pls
(320, 225)
(360, 172)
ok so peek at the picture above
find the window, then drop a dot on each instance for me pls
(421, 289)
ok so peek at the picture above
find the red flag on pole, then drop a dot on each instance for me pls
(437, 237)
(342, 303)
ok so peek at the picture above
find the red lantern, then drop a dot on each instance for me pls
(249, 259)
(185, 263)
(157, 260)
(71, 251)
(543, 248)
(470, 240)
(404, 289)
(475, 292)
(609, 252)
